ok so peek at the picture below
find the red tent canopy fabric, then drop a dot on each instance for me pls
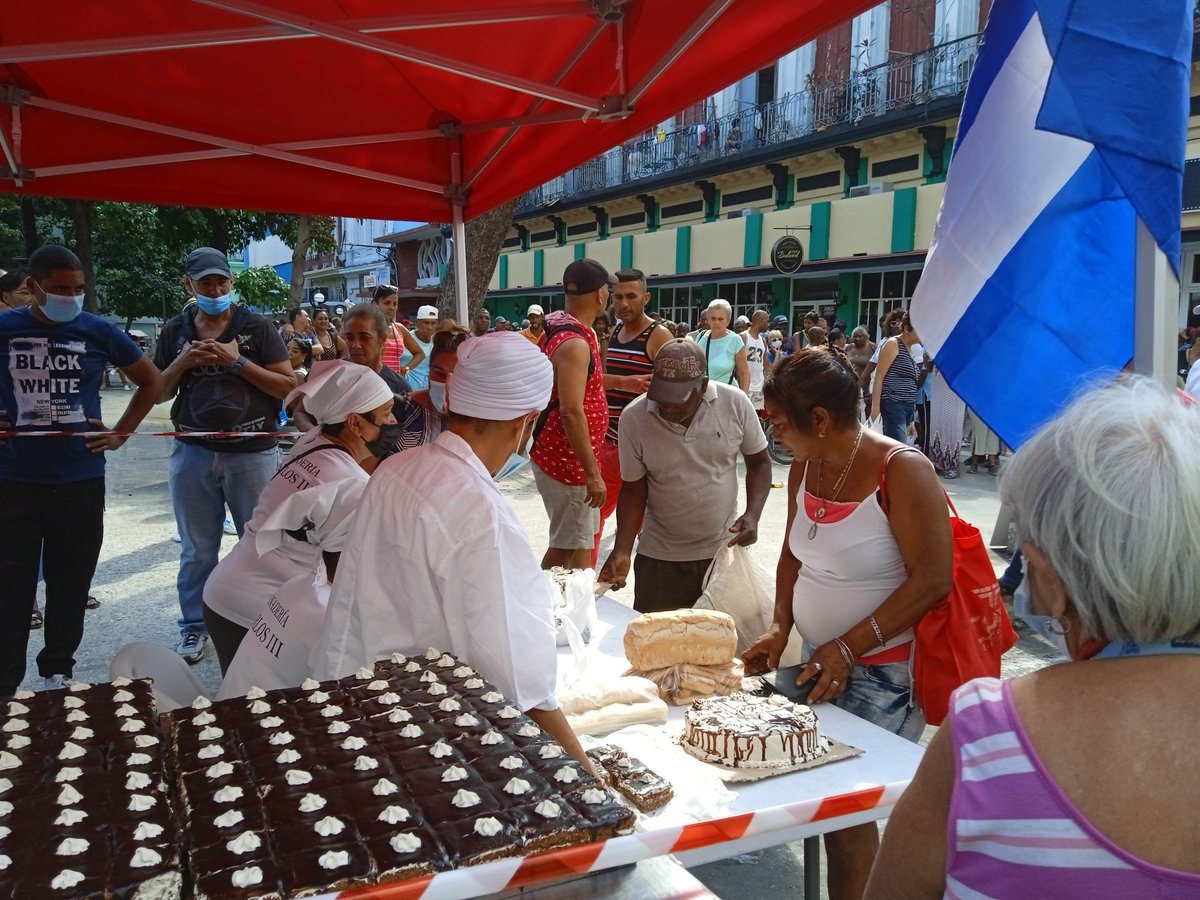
(367, 108)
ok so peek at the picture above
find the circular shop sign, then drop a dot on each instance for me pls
(787, 254)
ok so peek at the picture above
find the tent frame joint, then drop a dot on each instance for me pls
(11, 95)
(614, 108)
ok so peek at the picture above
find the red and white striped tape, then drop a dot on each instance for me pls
(571, 862)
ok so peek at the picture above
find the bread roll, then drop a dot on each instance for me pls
(698, 636)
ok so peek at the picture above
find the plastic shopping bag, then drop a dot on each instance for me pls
(737, 585)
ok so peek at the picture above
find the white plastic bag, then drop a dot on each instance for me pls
(737, 585)
(574, 614)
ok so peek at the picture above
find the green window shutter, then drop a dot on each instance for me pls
(904, 219)
(818, 242)
(683, 249)
(752, 247)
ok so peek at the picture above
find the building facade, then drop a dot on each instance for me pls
(843, 143)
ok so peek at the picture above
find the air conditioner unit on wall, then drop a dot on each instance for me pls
(871, 187)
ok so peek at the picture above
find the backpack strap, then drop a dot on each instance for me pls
(543, 343)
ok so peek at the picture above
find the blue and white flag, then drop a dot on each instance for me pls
(1074, 125)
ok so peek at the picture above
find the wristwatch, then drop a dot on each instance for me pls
(236, 368)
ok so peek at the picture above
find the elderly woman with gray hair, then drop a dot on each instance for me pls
(1079, 779)
(724, 350)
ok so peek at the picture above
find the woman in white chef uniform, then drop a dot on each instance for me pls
(353, 407)
(275, 654)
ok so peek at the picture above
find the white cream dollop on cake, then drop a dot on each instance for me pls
(744, 731)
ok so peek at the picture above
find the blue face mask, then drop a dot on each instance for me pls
(214, 306)
(60, 308)
(516, 460)
(1023, 607)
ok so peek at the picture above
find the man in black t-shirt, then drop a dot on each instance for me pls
(227, 369)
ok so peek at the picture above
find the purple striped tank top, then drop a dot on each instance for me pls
(1013, 833)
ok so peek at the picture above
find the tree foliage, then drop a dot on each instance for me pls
(133, 253)
(261, 287)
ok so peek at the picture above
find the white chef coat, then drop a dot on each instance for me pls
(437, 558)
(241, 583)
(276, 651)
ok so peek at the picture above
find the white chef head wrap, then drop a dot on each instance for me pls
(324, 512)
(338, 387)
(500, 377)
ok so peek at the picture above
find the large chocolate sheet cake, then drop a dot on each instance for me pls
(415, 767)
(83, 806)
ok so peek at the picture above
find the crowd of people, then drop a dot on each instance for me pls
(383, 530)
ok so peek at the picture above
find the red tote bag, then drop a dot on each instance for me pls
(966, 633)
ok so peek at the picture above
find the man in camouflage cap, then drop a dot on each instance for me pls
(679, 447)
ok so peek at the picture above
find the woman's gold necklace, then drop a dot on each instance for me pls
(837, 488)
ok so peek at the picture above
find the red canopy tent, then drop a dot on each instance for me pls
(430, 109)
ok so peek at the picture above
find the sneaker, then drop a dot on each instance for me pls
(126, 387)
(230, 528)
(56, 682)
(91, 602)
(177, 537)
(35, 620)
(191, 646)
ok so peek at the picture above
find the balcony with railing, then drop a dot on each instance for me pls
(905, 82)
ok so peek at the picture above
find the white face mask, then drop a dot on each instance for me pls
(437, 395)
(776, 344)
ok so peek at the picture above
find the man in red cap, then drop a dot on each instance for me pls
(571, 430)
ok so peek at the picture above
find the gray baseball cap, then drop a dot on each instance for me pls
(206, 261)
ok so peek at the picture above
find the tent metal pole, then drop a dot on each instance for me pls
(403, 51)
(461, 304)
(224, 37)
(1155, 314)
(228, 144)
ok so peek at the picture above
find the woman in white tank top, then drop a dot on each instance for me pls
(853, 578)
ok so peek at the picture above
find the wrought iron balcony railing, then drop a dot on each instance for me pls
(904, 82)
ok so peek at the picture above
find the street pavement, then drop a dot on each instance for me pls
(135, 583)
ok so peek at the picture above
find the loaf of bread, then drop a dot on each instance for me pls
(700, 637)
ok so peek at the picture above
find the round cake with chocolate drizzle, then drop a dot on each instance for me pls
(744, 731)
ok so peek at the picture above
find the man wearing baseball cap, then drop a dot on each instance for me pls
(423, 329)
(565, 448)
(228, 370)
(679, 447)
(537, 323)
